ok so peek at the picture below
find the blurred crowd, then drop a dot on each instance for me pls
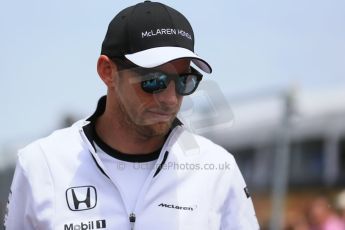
(322, 213)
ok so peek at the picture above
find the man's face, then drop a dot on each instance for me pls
(148, 114)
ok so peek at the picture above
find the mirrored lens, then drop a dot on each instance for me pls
(186, 84)
(154, 82)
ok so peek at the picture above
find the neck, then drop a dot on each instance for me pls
(124, 138)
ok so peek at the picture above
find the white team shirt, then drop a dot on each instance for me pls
(130, 176)
(62, 183)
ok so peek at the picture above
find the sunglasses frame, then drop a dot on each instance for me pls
(141, 71)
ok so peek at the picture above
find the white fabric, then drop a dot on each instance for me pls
(184, 195)
(130, 176)
(160, 55)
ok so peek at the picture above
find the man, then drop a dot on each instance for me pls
(127, 167)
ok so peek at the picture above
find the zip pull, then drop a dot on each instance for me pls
(132, 220)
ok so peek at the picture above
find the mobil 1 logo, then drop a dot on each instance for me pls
(89, 225)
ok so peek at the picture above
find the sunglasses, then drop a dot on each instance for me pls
(155, 81)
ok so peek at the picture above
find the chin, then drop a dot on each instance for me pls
(158, 129)
(162, 128)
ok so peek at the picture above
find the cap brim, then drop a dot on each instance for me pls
(154, 57)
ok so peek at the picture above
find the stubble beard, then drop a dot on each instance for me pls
(153, 129)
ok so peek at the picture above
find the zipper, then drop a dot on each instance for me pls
(145, 187)
(132, 220)
(148, 181)
(104, 170)
(132, 216)
(153, 173)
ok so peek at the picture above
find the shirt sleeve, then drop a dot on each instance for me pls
(239, 211)
(19, 208)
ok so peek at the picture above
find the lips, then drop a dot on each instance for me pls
(161, 116)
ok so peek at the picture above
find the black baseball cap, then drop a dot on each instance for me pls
(150, 34)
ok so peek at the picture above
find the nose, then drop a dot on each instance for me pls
(168, 97)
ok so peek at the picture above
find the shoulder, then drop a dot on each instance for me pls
(38, 152)
(191, 144)
(205, 145)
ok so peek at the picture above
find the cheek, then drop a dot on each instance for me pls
(134, 99)
(179, 99)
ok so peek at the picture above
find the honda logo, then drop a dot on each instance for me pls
(81, 198)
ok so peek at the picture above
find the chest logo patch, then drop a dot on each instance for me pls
(81, 198)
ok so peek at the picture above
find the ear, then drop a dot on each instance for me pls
(106, 70)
